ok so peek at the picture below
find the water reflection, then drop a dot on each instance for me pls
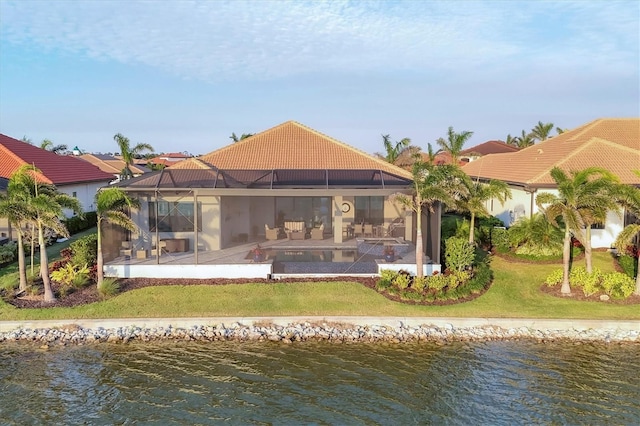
(321, 383)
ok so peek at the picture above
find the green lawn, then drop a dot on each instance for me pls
(514, 293)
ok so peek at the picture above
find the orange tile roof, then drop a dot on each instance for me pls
(490, 147)
(110, 164)
(291, 145)
(613, 144)
(56, 169)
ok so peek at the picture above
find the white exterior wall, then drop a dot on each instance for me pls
(520, 206)
(85, 193)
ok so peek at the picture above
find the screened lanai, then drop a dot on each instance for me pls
(233, 207)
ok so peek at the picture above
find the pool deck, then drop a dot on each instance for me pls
(232, 262)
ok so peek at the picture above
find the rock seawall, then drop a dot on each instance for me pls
(308, 331)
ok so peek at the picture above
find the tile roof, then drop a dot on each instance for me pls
(112, 165)
(291, 145)
(613, 144)
(56, 169)
(490, 147)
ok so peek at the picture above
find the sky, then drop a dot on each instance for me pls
(183, 75)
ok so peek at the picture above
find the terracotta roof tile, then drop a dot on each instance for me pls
(110, 164)
(56, 169)
(613, 144)
(292, 145)
(490, 147)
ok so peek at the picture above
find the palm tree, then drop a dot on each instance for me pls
(524, 140)
(560, 130)
(48, 145)
(235, 138)
(510, 140)
(129, 153)
(578, 195)
(431, 185)
(454, 143)
(48, 206)
(541, 131)
(112, 205)
(15, 207)
(401, 153)
(477, 194)
(628, 235)
(536, 232)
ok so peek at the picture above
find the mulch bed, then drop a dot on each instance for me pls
(577, 294)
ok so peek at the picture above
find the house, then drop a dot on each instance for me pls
(113, 165)
(486, 148)
(69, 174)
(613, 144)
(168, 159)
(291, 179)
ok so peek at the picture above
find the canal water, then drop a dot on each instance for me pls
(174, 383)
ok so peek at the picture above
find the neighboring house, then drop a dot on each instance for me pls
(168, 159)
(113, 165)
(441, 158)
(489, 147)
(613, 144)
(69, 174)
(289, 174)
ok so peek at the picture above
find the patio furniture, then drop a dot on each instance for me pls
(271, 233)
(125, 249)
(347, 230)
(174, 245)
(367, 230)
(295, 230)
(358, 230)
(318, 233)
(142, 254)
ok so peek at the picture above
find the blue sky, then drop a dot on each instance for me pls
(184, 75)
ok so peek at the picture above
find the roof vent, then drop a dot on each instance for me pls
(540, 151)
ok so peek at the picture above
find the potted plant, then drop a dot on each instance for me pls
(258, 253)
(389, 254)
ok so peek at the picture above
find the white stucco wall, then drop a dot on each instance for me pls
(520, 206)
(85, 193)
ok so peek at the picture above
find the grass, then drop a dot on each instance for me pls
(515, 293)
(9, 274)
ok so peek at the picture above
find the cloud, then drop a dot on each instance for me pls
(258, 40)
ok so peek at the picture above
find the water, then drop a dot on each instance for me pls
(490, 383)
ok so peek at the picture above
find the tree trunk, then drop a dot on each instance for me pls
(44, 267)
(33, 247)
(637, 292)
(100, 260)
(566, 253)
(471, 228)
(419, 250)
(22, 267)
(587, 249)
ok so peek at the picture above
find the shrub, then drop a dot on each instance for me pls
(410, 295)
(538, 250)
(618, 285)
(386, 279)
(482, 277)
(485, 226)
(628, 264)
(70, 275)
(109, 287)
(85, 250)
(9, 252)
(554, 278)
(457, 278)
(420, 283)
(459, 254)
(590, 283)
(402, 280)
(438, 282)
(500, 239)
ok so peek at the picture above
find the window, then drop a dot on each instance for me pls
(173, 216)
(369, 210)
(75, 194)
